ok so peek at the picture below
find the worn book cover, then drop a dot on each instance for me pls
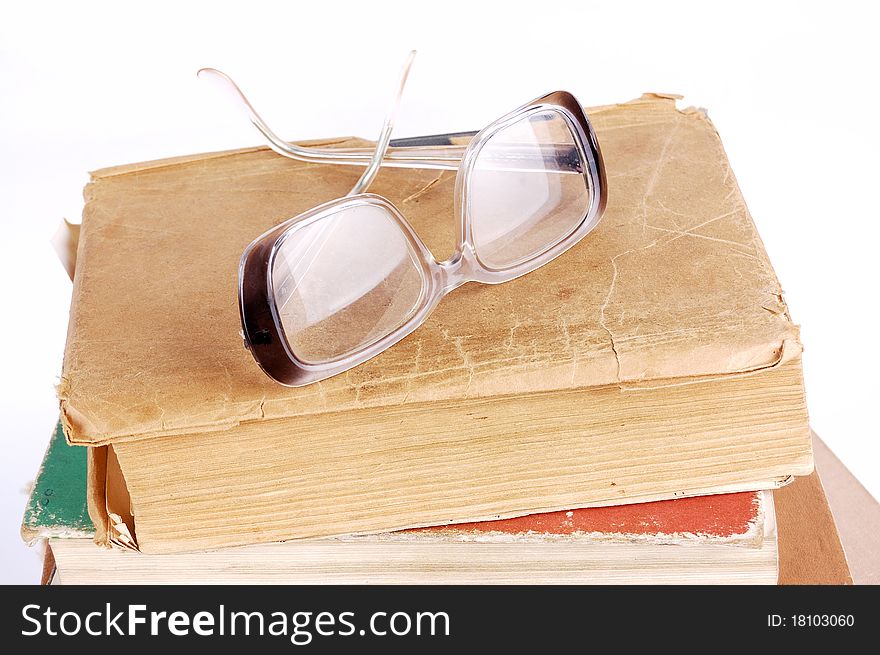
(56, 505)
(655, 359)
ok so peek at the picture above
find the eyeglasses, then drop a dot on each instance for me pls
(329, 289)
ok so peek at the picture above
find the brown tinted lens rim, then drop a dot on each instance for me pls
(261, 328)
(262, 334)
(586, 137)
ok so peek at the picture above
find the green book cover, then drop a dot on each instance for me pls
(57, 504)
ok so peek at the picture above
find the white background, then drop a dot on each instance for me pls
(792, 88)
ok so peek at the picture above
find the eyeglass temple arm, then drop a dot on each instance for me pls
(385, 135)
(433, 152)
(447, 139)
(438, 152)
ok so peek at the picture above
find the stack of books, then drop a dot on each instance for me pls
(622, 414)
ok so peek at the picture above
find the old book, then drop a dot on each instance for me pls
(855, 512)
(646, 543)
(56, 506)
(726, 538)
(810, 548)
(654, 360)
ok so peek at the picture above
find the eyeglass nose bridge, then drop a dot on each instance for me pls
(458, 269)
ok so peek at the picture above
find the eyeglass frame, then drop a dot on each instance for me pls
(263, 331)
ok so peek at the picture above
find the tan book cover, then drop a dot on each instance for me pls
(856, 514)
(655, 359)
(810, 551)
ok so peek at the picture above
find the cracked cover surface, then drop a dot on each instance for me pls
(673, 285)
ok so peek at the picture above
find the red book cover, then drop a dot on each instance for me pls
(721, 516)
